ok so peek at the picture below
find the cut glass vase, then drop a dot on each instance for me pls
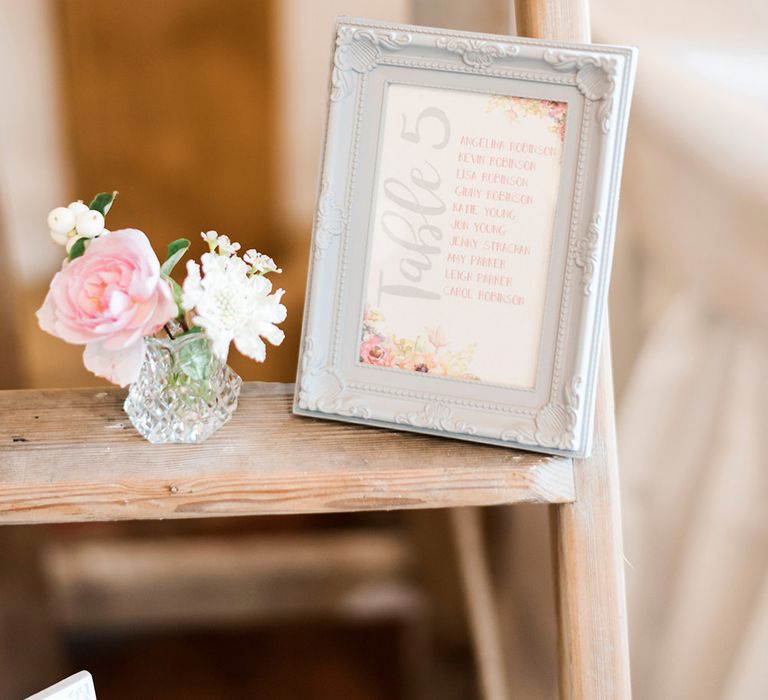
(184, 393)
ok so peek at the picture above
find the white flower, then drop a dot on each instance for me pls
(261, 264)
(226, 247)
(229, 304)
(210, 237)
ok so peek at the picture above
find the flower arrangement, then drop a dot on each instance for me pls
(113, 296)
(426, 353)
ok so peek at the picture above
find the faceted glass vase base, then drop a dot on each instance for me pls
(184, 393)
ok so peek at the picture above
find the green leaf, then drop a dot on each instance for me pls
(103, 201)
(178, 244)
(194, 359)
(177, 292)
(175, 252)
(77, 249)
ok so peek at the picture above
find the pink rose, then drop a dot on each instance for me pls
(109, 299)
(374, 352)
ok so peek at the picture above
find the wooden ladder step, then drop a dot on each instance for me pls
(117, 582)
(73, 455)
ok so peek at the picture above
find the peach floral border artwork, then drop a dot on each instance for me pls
(428, 353)
(517, 108)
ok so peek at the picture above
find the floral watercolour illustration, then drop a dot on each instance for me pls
(426, 353)
(521, 107)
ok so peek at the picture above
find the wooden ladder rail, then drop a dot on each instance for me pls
(586, 535)
(589, 566)
(588, 563)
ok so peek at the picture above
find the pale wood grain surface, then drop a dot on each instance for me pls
(589, 564)
(481, 603)
(558, 20)
(72, 455)
(588, 550)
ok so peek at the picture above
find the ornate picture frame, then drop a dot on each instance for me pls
(517, 363)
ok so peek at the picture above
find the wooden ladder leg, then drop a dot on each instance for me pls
(589, 567)
(587, 546)
(482, 610)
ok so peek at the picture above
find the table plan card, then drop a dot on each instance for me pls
(462, 247)
(463, 219)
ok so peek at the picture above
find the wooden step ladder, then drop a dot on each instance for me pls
(72, 456)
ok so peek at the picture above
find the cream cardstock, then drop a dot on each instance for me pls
(461, 233)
